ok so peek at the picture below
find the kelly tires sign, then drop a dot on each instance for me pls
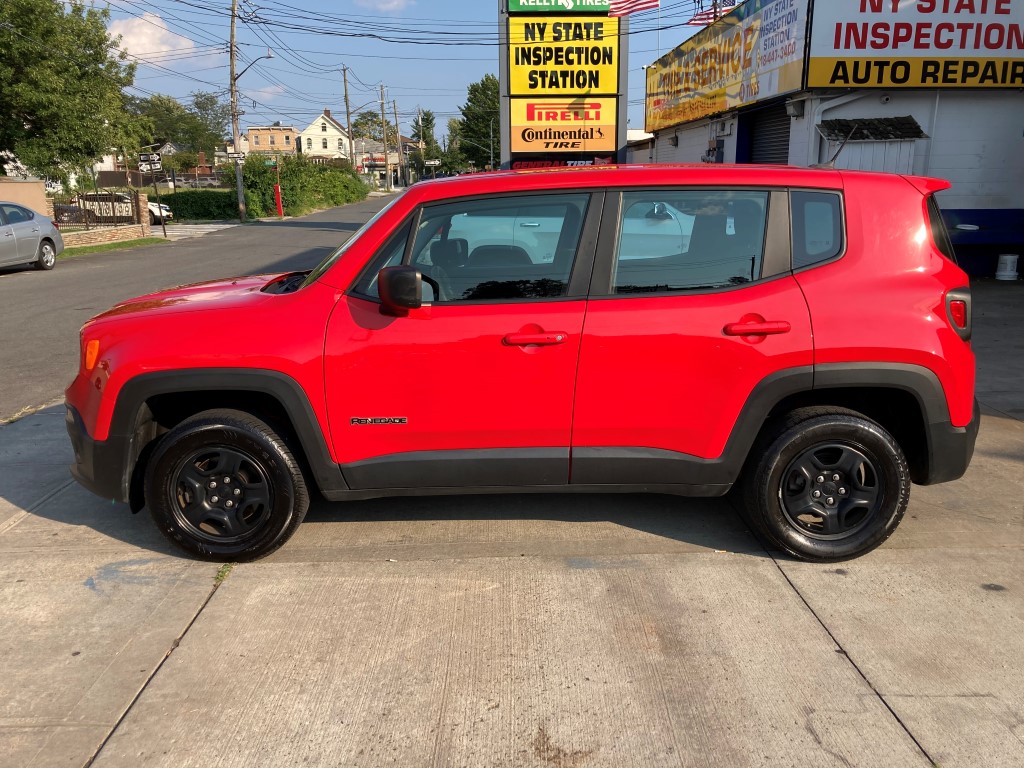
(922, 44)
(558, 6)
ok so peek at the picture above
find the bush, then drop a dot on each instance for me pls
(304, 186)
(191, 204)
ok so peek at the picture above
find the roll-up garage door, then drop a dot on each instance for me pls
(770, 135)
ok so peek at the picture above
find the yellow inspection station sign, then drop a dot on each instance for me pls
(564, 55)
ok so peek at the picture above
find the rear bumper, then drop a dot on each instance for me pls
(98, 465)
(950, 449)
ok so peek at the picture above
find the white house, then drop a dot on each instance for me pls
(324, 139)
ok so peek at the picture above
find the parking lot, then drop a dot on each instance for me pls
(556, 631)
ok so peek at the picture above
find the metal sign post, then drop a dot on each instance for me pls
(152, 162)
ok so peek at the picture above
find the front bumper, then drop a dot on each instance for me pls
(100, 466)
(950, 449)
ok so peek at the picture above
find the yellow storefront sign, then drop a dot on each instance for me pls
(563, 55)
(578, 124)
(752, 54)
(916, 73)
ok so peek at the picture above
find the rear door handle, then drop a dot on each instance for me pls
(748, 329)
(538, 339)
(529, 224)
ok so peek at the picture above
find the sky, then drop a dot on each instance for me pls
(425, 53)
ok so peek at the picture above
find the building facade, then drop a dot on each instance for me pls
(272, 139)
(899, 87)
(325, 139)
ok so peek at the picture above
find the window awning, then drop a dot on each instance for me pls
(872, 129)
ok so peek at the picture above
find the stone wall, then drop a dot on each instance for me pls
(102, 234)
(106, 235)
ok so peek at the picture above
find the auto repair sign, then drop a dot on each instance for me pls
(917, 44)
(579, 124)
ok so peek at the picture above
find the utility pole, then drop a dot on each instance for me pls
(348, 122)
(398, 138)
(384, 135)
(234, 115)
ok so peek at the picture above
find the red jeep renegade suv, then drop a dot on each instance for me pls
(804, 334)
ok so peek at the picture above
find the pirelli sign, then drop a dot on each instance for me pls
(919, 44)
(581, 124)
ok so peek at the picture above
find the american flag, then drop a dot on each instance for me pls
(626, 7)
(703, 18)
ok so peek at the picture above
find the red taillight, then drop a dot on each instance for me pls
(958, 313)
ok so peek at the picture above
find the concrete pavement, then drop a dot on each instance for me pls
(521, 630)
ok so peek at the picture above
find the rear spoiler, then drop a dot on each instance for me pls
(927, 185)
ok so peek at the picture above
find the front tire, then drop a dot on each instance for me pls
(827, 484)
(47, 257)
(223, 485)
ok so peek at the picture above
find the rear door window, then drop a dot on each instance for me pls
(689, 240)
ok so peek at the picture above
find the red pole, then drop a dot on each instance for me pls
(277, 199)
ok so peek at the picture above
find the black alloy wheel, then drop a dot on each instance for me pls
(825, 484)
(224, 486)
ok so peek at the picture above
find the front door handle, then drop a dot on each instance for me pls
(529, 224)
(535, 339)
(748, 329)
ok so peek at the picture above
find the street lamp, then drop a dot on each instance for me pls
(236, 135)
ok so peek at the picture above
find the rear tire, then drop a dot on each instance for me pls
(223, 485)
(47, 256)
(827, 484)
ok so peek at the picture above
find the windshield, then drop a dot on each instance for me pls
(330, 260)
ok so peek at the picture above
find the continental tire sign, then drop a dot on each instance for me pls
(923, 44)
(581, 124)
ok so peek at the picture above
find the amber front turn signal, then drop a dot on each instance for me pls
(92, 352)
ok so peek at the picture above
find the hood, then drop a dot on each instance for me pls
(211, 295)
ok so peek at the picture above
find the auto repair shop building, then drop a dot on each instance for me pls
(927, 87)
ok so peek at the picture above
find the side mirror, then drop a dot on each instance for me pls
(400, 289)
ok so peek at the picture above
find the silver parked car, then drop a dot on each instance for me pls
(27, 237)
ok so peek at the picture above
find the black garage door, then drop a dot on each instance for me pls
(770, 135)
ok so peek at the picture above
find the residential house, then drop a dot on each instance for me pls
(272, 139)
(324, 139)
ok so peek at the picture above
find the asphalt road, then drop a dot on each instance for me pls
(41, 312)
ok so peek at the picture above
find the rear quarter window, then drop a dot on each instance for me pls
(817, 227)
(940, 235)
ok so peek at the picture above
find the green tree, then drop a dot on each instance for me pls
(423, 129)
(198, 127)
(180, 162)
(213, 115)
(61, 84)
(366, 125)
(480, 127)
(452, 158)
